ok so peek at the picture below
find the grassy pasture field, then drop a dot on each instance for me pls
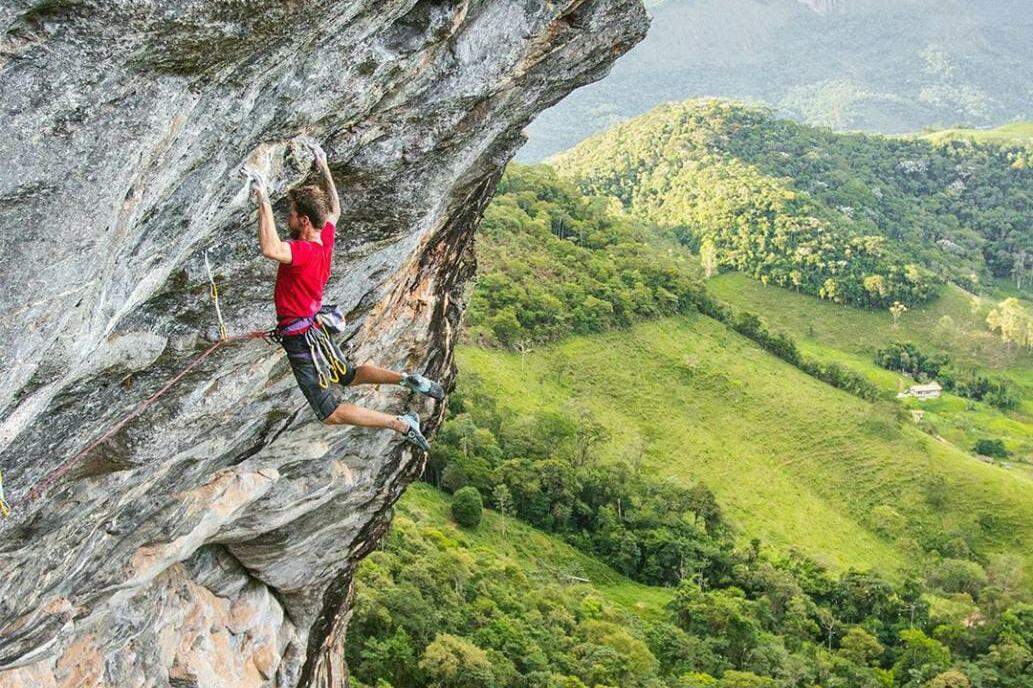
(541, 556)
(851, 336)
(792, 460)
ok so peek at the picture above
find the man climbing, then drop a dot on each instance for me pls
(304, 268)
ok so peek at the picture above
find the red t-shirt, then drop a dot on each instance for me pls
(299, 284)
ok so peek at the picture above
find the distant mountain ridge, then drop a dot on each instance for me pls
(872, 65)
(853, 218)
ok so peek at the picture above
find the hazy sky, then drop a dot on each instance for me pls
(890, 66)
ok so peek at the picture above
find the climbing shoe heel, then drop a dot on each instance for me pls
(423, 385)
(414, 435)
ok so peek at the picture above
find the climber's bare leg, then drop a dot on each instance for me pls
(350, 414)
(367, 374)
(372, 375)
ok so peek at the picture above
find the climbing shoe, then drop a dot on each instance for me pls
(418, 383)
(413, 434)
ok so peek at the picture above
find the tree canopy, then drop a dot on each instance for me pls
(853, 218)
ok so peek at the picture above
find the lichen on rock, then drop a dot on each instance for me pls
(211, 542)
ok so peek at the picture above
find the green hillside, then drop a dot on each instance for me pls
(502, 605)
(950, 323)
(436, 595)
(872, 65)
(794, 461)
(780, 532)
(852, 218)
(736, 412)
(1016, 133)
(541, 558)
(554, 262)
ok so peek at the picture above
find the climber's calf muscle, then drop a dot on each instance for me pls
(367, 374)
(350, 414)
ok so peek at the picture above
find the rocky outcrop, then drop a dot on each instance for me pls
(212, 540)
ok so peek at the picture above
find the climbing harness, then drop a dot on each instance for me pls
(328, 360)
(69, 463)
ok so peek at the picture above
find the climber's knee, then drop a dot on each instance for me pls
(359, 374)
(349, 375)
(340, 415)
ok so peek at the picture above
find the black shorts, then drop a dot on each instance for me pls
(323, 401)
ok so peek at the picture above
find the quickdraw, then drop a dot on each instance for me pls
(5, 508)
(215, 297)
(328, 360)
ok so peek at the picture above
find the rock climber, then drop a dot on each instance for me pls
(304, 268)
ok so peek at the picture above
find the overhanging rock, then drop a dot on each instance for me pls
(212, 541)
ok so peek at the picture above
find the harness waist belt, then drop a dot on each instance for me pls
(296, 327)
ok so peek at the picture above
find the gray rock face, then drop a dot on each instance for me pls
(212, 540)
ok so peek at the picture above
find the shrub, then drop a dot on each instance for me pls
(906, 358)
(860, 647)
(994, 448)
(920, 659)
(467, 507)
(959, 575)
(949, 679)
(453, 477)
(745, 679)
(973, 385)
(453, 662)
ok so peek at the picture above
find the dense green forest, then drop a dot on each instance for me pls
(554, 262)
(431, 610)
(443, 605)
(852, 218)
(437, 606)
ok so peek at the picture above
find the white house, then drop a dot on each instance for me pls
(929, 390)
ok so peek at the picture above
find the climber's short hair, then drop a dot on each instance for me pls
(311, 202)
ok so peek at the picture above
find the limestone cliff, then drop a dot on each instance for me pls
(212, 541)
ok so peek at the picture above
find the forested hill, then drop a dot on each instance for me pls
(873, 65)
(854, 218)
(683, 497)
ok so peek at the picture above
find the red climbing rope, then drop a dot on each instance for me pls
(70, 462)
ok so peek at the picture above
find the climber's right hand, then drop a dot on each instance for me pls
(318, 154)
(259, 191)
